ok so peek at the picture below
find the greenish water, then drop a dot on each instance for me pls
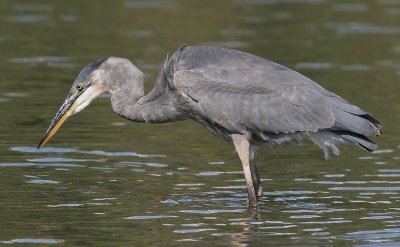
(103, 181)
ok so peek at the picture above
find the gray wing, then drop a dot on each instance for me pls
(240, 91)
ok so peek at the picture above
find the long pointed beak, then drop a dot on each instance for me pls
(63, 114)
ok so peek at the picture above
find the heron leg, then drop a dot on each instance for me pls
(256, 179)
(242, 147)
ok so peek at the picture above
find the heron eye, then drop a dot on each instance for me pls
(79, 87)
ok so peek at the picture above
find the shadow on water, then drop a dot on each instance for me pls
(107, 182)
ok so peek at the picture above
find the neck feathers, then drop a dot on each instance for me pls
(128, 100)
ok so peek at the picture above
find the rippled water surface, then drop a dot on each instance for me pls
(103, 181)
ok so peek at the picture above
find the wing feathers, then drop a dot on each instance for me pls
(240, 92)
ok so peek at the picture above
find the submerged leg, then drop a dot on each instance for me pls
(242, 147)
(256, 179)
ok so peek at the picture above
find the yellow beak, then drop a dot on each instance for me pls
(62, 115)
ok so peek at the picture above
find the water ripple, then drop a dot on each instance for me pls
(382, 243)
(209, 173)
(53, 159)
(65, 205)
(190, 184)
(33, 241)
(30, 60)
(30, 18)
(92, 152)
(33, 7)
(262, 2)
(150, 217)
(149, 4)
(42, 181)
(350, 7)
(374, 234)
(365, 188)
(310, 216)
(361, 28)
(36, 164)
(212, 211)
(314, 65)
(196, 230)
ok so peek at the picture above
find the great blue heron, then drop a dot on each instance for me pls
(240, 97)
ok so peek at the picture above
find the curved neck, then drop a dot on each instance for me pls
(124, 96)
(128, 101)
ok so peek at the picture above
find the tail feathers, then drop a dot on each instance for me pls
(374, 121)
(352, 126)
(365, 124)
(360, 140)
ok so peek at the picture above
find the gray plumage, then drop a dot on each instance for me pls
(229, 92)
(243, 98)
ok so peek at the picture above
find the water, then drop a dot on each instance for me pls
(103, 181)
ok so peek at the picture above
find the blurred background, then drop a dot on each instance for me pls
(104, 181)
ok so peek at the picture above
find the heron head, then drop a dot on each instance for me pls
(109, 74)
(87, 86)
